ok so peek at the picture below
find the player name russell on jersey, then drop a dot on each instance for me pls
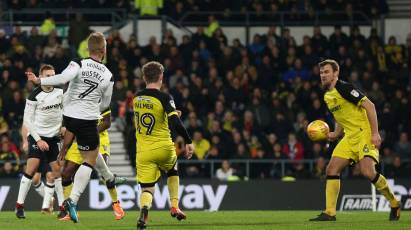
(92, 74)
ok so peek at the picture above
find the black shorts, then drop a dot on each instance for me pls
(85, 131)
(47, 156)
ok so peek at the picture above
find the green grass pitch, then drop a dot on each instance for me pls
(236, 220)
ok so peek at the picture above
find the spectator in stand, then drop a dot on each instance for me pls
(397, 169)
(148, 7)
(78, 31)
(403, 146)
(225, 172)
(10, 161)
(293, 149)
(201, 145)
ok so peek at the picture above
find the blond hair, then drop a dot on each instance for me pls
(45, 67)
(96, 43)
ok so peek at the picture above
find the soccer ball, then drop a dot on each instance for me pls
(317, 130)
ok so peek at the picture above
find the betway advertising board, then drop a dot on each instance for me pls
(214, 195)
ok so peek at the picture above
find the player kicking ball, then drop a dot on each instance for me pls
(356, 121)
(73, 160)
(90, 89)
(43, 119)
(154, 112)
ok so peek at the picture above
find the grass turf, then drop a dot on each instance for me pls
(236, 220)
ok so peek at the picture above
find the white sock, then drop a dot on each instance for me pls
(102, 169)
(48, 194)
(81, 180)
(58, 187)
(39, 188)
(25, 185)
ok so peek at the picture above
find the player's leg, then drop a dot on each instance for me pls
(58, 187)
(173, 183)
(168, 162)
(367, 167)
(340, 159)
(87, 137)
(47, 206)
(111, 180)
(38, 183)
(69, 169)
(148, 174)
(55, 169)
(25, 184)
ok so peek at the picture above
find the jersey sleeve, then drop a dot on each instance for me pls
(173, 119)
(28, 119)
(170, 106)
(67, 75)
(350, 93)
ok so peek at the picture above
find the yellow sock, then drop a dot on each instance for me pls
(67, 190)
(113, 194)
(332, 189)
(381, 185)
(173, 182)
(146, 198)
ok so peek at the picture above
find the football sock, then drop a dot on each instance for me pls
(381, 185)
(48, 194)
(25, 185)
(332, 189)
(173, 184)
(146, 198)
(67, 187)
(102, 169)
(39, 188)
(81, 180)
(113, 194)
(59, 190)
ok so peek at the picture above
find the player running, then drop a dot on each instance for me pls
(356, 121)
(90, 88)
(73, 160)
(43, 119)
(154, 113)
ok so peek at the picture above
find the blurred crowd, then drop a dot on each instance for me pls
(238, 101)
(299, 9)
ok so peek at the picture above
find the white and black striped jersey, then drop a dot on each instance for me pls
(89, 90)
(43, 113)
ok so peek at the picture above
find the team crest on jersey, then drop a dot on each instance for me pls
(172, 104)
(366, 149)
(355, 93)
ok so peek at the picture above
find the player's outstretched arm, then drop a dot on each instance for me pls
(372, 119)
(67, 75)
(175, 122)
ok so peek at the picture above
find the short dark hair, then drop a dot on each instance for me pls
(152, 71)
(333, 63)
(45, 67)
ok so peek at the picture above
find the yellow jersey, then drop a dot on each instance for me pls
(344, 102)
(151, 111)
